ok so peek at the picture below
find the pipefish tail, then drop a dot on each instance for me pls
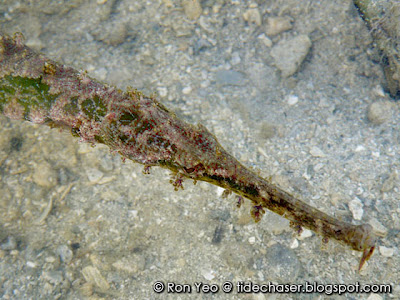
(37, 89)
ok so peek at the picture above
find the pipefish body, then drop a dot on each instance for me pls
(37, 89)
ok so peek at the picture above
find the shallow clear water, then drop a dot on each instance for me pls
(308, 131)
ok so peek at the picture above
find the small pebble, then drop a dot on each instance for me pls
(252, 16)
(208, 274)
(288, 55)
(44, 175)
(186, 90)
(31, 264)
(86, 289)
(133, 213)
(374, 297)
(294, 244)
(9, 244)
(385, 251)
(356, 208)
(92, 275)
(305, 233)
(292, 100)
(376, 154)
(35, 43)
(360, 148)
(50, 259)
(54, 277)
(252, 240)
(220, 191)
(118, 35)
(192, 9)
(276, 25)
(65, 253)
(201, 45)
(162, 91)
(47, 288)
(378, 227)
(94, 175)
(379, 112)
(182, 27)
(216, 8)
(235, 60)
(229, 77)
(390, 182)
(316, 152)
(115, 36)
(378, 91)
(265, 40)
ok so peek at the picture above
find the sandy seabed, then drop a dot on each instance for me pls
(113, 232)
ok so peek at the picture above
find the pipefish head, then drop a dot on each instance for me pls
(362, 238)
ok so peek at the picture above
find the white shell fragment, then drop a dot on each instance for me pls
(386, 251)
(356, 208)
(294, 244)
(305, 233)
(317, 152)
